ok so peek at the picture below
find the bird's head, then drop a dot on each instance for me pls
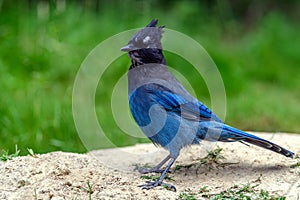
(145, 45)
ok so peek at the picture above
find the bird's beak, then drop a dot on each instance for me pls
(127, 48)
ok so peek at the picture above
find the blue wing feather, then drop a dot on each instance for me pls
(191, 110)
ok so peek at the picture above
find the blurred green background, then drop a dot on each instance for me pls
(255, 44)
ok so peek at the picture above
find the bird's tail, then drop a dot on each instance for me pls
(230, 134)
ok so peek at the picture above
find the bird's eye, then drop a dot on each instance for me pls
(135, 53)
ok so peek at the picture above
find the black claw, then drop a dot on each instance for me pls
(152, 184)
(169, 186)
(149, 185)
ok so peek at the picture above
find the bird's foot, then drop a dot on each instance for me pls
(152, 184)
(143, 170)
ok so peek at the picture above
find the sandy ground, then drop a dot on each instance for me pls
(109, 174)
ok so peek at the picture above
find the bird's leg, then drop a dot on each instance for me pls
(159, 182)
(155, 169)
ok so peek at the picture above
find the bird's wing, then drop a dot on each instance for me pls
(191, 110)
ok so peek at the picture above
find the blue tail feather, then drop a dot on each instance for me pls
(230, 134)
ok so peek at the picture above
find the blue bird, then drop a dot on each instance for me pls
(164, 110)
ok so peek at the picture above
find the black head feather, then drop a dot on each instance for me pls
(153, 23)
(148, 37)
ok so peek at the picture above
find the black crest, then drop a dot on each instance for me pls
(148, 37)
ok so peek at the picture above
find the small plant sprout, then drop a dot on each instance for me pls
(89, 189)
(31, 152)
(295, 165)
(213, 157)
(247, 191)
(6, 156)
(186, 196)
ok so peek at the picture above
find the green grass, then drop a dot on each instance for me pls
(31, 153)
(39, 59)
(186, 196)
(295, 165)
(237, 192)
(246, 192)
(5, 155)
(89, 189)
(213, 157)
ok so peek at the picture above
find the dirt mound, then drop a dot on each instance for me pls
(109, 174)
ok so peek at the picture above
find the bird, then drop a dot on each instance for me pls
(166, 112)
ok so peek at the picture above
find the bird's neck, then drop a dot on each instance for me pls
(135, 63)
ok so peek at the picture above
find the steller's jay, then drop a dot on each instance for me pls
(167, 114)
